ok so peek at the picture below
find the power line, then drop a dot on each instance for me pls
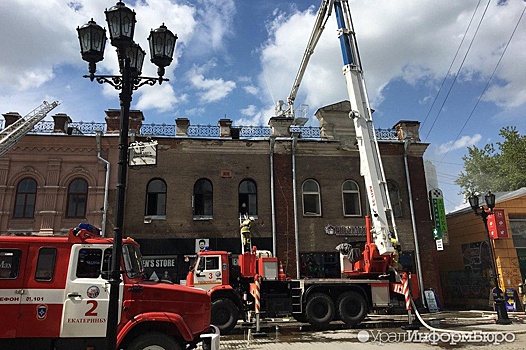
(488, 82)
(450, 66)
(459, 69)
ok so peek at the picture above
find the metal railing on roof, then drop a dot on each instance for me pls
(200, 131)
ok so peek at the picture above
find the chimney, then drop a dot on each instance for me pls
(280, 126)
(182, 125)
(408, 129)
(224, 127)
(11, 118)
(61, 122)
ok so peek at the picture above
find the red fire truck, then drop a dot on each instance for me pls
(257, 284)
(54, 294)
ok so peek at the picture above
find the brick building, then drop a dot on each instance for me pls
(202, 183)
(58, 175)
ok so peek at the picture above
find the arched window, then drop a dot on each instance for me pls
(156, 198)
(248, 194)
(311, 198)
(394, 195)
(77, 198)
(203, 199)
(26, 193)
(351, 199)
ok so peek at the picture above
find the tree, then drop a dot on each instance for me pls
(486, 169)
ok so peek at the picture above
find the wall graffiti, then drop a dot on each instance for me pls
(475, 280)
(476, 256)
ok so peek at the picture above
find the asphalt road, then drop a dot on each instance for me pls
(458, 330)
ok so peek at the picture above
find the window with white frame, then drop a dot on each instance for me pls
(351, 199)
(311, 198)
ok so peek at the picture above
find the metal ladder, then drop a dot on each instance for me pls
(10, 135)
(296, 290)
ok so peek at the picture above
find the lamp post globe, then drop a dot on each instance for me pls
(121, 24)
(474, 202)
(162, 44)
(136, 55)
(490, 200)
(92, 38)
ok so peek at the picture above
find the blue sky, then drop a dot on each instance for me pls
(236, 58)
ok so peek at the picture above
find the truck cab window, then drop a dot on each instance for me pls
(212, 263)
(132, 260)
(9, 263)
(45, 268)
(89, 263)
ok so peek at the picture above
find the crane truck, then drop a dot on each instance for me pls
(369, 278)
(54, 294)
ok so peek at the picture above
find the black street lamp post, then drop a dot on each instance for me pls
(92, 37)
(484, 212)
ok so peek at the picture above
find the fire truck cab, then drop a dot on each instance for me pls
(54, 294)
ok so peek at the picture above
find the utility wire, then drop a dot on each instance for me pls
(459, 69)
(488, 82)
(450, 66)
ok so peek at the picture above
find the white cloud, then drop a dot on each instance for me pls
(463, 142)
(249, 111)
(210, 90)
(411, 40)
(251, 89)
(258, 117)
(215, 19)
(161, 98)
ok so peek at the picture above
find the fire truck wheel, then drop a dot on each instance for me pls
(300, 318)
(352, 308)
(320, 310)
(154, 341)
(224, 315)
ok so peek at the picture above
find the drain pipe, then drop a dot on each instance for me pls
(98, 136)
(407, 144)
(294, 190)
(272, 140)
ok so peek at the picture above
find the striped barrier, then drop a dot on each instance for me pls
(405, 290)
(257, 296)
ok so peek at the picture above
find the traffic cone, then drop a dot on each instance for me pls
(281, 275)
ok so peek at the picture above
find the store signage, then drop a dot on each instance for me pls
(497, 227)
(143, 153)
(350, 231)
(439, 215)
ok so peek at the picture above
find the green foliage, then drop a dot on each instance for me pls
(486, 169)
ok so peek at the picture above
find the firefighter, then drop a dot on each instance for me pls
(396, 253)
(245, 233)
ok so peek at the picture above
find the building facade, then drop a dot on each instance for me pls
(302, 187)
(60, 174)
(465, 264)
(306, 194)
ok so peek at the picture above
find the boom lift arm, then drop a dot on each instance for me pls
(371, 167)
(10, 135)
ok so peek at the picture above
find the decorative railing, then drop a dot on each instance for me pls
(386, 134)
(200, 131)
(157, 130)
